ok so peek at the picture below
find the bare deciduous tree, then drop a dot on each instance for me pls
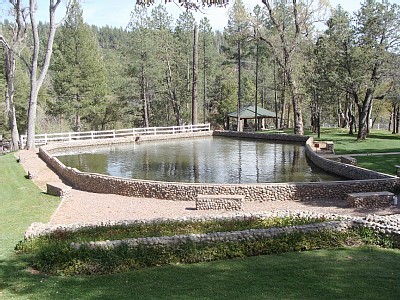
(12, 48)
(38, 73)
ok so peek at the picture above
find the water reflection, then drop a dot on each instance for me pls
(207, 160)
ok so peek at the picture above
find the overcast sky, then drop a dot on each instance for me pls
(116, 13)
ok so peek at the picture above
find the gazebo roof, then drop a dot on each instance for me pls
(249, 112)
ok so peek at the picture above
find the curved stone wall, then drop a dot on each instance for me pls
(342, 169)
(91, 182)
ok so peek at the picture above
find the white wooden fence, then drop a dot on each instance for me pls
(43, 139)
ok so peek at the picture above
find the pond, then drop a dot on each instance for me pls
(201, 160)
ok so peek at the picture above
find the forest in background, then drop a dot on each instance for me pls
(345, 74)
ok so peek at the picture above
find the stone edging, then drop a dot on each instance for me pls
(382, 224)
(248, 235)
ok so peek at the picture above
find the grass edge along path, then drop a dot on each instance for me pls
(21, 203)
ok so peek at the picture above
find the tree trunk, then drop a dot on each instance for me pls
(9, 60)
(195, 93)
(256, 98)
(204, 80)
(350, 118)
(296, 101)
(172, 93)
(239, 85)
(395, 118)
(78, 125)
(144, 98)
(363, 109)
(264, 90)
(275, 97)
(342, 120)
(369, 118)
(283, 102)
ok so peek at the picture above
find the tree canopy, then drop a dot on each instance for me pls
(145, 75)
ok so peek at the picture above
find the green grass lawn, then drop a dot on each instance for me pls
(336, 274)
(381, 163)
(379, 141)
(358, 273)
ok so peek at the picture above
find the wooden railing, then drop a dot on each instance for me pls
(43, 139)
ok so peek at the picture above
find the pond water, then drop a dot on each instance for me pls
(201, 160)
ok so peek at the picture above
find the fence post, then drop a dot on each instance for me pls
(114, 133)
(69, 136)
(45, 138)
(92, 135)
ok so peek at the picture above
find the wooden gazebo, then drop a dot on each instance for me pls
(249, 112)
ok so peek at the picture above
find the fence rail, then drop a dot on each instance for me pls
(43, 139)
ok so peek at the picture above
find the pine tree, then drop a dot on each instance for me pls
(79, 75)
(237, 34)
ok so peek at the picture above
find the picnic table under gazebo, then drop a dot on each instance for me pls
(249, 113)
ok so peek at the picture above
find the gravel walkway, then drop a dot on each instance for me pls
(84, 207)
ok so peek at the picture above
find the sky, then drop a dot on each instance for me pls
(116, 13)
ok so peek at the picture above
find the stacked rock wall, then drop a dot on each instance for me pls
(370, 200)
(219, 202)
(382, 224)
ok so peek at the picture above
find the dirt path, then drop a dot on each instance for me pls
(84, 207)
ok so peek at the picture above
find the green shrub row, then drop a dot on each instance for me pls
(164, 228)
(59, 258)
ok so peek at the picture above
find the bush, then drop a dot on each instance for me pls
(54, 254)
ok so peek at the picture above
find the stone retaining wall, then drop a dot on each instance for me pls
(341, 169)
(213, 237)
(370, 200)
(382, 224)
(348, 160)
(58, 189)
(219, 202)
(367, 181)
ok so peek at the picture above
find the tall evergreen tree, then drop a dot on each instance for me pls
(237, 34)
(79, 76)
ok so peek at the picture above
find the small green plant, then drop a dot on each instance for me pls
(60, 258)
(156, 229)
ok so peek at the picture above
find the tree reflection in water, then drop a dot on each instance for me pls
(204, 160)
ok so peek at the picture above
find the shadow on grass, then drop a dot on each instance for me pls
(364, 273)
(387, 136)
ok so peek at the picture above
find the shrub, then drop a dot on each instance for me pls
(56, 255)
